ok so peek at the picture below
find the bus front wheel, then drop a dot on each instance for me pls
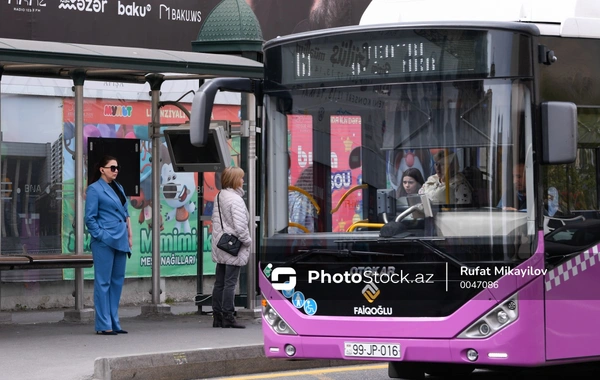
(408, 371)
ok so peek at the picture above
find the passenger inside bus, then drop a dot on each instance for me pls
(459, 190)
(552, 204)
(518, 203)
(412, 180)
(302, 212)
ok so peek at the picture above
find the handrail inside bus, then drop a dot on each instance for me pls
(350, 191)
(305, 193)
(363, 224)
(298, 225)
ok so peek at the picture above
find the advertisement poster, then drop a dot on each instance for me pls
(346, 203)
(159, 24)
(179, 215)
(279, 18)
(303, 210)
(300, 145)
(155, 24)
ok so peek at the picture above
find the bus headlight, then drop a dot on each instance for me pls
(495, 320)
(484, 329)
(290, 350)
(278, 324)
(502, 317)
(472, 355)
(271, 316)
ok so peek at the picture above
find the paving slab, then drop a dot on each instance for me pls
(182, 345)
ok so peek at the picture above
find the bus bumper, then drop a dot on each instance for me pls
(521, 343)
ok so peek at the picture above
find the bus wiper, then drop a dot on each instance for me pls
(441, 254)
(337, 253)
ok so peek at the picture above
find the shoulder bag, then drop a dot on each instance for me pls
(227, 242)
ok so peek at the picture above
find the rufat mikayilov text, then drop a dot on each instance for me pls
(369, 277)
(502, 271)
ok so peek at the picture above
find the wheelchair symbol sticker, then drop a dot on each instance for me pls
(287, 293)
(298, 299)
(310, 306)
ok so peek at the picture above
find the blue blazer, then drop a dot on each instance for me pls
(105, 216)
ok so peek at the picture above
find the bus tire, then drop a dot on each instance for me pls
(408, 371)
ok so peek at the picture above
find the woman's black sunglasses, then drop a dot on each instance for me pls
(113, 168)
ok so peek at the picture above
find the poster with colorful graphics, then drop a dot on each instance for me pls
(300, 145)
(302, 216)
(346, 198)
(179, 214)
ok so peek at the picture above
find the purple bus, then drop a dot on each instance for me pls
(430, 187)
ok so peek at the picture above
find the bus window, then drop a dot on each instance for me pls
(343, 147)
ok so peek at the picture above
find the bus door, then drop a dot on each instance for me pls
(572, 295)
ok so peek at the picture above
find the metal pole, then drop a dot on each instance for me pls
(155, 82)
(251, 278)
(78, 79)
(200, 250)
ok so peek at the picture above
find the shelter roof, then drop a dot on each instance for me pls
(114, 63)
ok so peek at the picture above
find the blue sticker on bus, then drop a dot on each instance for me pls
(298, 299)
(310, 306)
(287, 293)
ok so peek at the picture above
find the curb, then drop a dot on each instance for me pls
(203, 363)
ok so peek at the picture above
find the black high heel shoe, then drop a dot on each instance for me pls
(106, 333)
(121, 331)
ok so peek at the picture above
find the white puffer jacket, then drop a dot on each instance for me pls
(235, 221)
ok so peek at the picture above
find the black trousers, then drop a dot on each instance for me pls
(223, 296)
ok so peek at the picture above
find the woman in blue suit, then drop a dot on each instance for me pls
(107, 221)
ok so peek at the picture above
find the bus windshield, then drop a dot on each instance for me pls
(434, 167)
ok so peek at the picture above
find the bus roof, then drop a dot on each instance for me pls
(498, 25)
(567, 18)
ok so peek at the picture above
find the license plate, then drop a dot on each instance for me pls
(372, 350)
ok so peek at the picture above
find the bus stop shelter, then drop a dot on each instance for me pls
(81, 63)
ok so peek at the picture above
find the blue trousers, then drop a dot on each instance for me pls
(109, 274)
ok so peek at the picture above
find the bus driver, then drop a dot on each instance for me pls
(435, 186)
(520, 203)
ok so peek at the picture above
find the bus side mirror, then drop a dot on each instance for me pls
(203, 102)
(559, 132)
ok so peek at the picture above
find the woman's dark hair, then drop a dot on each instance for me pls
(413, 173)
(102, 163)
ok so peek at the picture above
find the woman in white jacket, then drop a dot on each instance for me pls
(230, 211)
(458, 191)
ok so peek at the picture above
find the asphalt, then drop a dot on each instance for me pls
(180, 345)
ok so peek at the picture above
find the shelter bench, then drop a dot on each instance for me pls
(13, 262)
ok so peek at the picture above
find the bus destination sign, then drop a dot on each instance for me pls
(389, 54)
